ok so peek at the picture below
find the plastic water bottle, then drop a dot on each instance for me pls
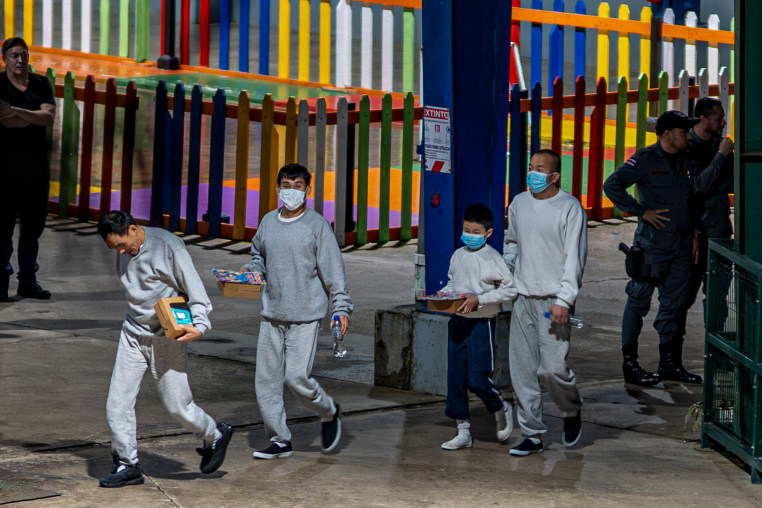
(574, 321)
(339, 350)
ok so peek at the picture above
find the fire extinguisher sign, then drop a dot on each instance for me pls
(436, 139)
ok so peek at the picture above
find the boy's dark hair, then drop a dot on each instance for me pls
(115, 222)
(705, 106)
(12, 42)
(553, 155)
(293, 171)
(480, 214)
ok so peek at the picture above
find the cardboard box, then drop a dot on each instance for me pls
(173, 312)
(234, 290)
(449, 306)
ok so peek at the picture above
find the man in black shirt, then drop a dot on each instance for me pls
(27, 107)
(713, 182)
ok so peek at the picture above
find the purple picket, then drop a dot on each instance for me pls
(536, 117)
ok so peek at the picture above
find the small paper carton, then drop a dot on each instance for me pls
(173, 312)
(444, 302)
(449, 306)
(236, 290)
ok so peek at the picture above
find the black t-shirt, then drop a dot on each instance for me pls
(29, 140)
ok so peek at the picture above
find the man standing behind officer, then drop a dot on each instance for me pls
(713, 182)
(27, 106)
(665, 233)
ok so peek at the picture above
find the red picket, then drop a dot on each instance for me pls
(162, 23)
(108, 145)
(558, 113)
(128, 145)
(579, 137)
(203, 16)
(595, 164)
(185, 32)
(86, 164)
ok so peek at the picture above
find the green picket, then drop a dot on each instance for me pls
(142, 30)
(408, 50)
(663, 92)
(386, 164)
(51, 75)
(124, 28)
(640, 133)
(621, 127)
(105, 27)
(69, 148)
(363, 157)
(406, 207)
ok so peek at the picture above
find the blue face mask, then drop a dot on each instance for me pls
(472, 241)
(537, 181)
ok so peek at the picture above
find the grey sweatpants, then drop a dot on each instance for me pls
(166, 360)
(285, 352)
(538, 352)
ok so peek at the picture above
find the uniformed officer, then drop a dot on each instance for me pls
(713, 182)
(665, 233)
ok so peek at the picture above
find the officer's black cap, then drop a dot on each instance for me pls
(674, 120)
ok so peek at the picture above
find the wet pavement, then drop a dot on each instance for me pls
(56, 358)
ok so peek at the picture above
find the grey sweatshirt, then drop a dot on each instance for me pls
(162, 268)
(303, 267)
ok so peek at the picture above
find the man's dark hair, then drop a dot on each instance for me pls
(705, 106)
(553, 155)
(480, 214)
(115, 222)
(294, 171)
(12, 42)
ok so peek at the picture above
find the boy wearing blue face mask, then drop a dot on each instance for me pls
(296, 250)
(479, 270)
(545, 248)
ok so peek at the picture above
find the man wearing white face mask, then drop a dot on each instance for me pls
(296, 250)
(545, 248)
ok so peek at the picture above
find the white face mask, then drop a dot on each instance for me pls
(292, 199)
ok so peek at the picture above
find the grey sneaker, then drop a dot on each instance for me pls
(504, 419)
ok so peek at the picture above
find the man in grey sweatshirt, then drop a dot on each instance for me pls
(296, 250)
(153, 264)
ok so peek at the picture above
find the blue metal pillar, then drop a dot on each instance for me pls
(466, 64)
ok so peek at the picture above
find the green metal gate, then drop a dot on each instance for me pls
(733, 355)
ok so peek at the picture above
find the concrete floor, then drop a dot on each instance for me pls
(56, 358)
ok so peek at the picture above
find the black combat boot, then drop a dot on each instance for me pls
(671, 364)
(634, 374)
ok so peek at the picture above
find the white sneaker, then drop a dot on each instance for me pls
(461, 440)
(504, 419)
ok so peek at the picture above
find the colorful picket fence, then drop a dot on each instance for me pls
(643, 46)
(595, 141)
(350, 149)
(648, 43)
(77, 173)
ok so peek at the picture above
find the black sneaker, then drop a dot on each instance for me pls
(32, 290)
(276, 450)
(572, 429)
(122, 475)
(212, 456)
(331, 433)
(527, 447)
